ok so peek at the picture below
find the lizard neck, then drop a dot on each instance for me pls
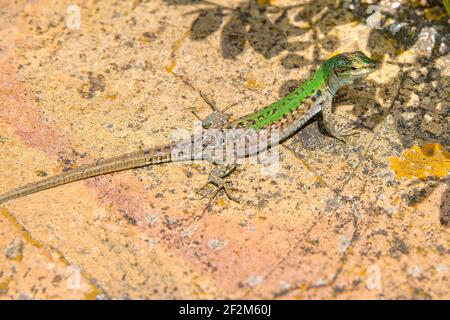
(334, 83)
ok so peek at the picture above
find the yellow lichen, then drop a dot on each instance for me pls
(221, 202)
(4, 286)
(421, 162)
(172, 65)
(254, 84)
(320, 181)
(112, 96)
(303, 287)
(18, 257)
(93, 294)
(25, 234)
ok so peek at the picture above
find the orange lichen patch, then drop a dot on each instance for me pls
(112, 96)
(421, 162)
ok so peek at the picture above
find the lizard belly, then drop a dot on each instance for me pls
(277, 131)
(287, 131)
(295, 120)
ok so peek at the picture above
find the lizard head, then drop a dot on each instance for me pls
(352, 65)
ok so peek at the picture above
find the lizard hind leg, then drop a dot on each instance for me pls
(216, 179)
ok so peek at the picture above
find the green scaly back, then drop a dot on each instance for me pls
(290, 102)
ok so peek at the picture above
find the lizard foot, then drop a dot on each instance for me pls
(335, 125)
(215, 184)
(216, 180)
(342, 133)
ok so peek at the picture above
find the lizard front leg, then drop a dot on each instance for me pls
(334, 124)
(214, 120)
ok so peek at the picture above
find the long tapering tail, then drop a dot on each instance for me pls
(100, 167)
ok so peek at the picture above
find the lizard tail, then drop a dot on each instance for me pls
(100, 167)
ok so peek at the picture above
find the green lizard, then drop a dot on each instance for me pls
(286, 116)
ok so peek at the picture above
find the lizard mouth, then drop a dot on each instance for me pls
(366, 70)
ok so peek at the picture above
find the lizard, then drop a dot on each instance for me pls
(286, 116)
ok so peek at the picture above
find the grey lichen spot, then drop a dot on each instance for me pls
(14, 250)
(188, 232)
(442, 268)
(171, 221)
(254, 279)
(216, 244)
(151, 219)
(414, 271)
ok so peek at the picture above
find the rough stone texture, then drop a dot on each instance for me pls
(334, 222)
